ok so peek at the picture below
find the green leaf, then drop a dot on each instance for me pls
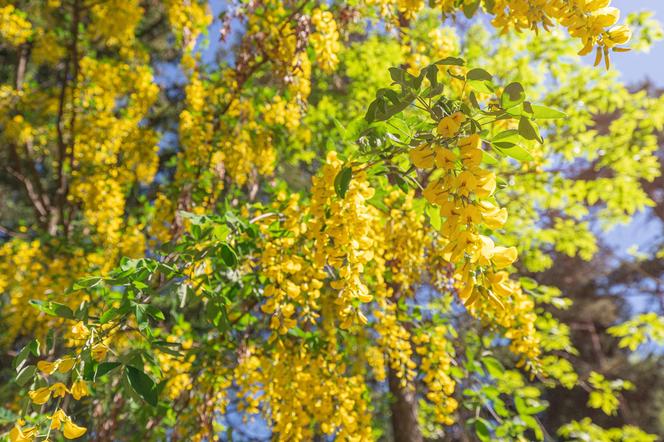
(487, 158)
(482, 429)
(342, 181)
(52, 308)
(228, 255)
(434, 216)
(142, 384)
(154, 312)
(451, 61)
(108, 315)
(528, 130)
(473, 100)
(513, 95)
(509, 136)
(546, 113)
(387, 104)
(113, 313)
(405, 79)
(7, 416)
(141, 316)
(480, 80)
(513, 151)
(88, 282)
(493, 366)
(139, 285)
(106, 367)
(532, 423)
(26, 374)
(220, 232)
(31, 347)
(470, 8)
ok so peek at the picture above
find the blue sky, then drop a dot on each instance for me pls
(636, 66)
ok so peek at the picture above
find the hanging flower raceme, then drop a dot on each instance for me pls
(461, 191)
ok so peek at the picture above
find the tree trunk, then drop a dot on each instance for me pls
(405, 426)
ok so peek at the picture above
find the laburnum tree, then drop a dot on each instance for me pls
(305, 220)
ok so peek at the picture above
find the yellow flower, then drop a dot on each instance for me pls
(59, 389)
(504, 256)
(459, 117)
(18, 434)
(444, 158)
(73, 431)
(422, 156)
(470, 214)
(449, 126)
(66, 364)
(500, 283)
(57, 419)
(471, 142)
(79, 389)
(493, 216)
(606, 17)
(99, 352)
(486, 249)
(593, 5)
(47, 366)
(466, 182)
(486, 182)
(40, 396)
(80, 331)
(617, 35)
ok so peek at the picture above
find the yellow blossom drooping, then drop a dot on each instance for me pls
(79, 389)
(325, 40)
(22, 434)
(47, 367)
(59, 389)
(99, 352)
(341, 229)
(80, 331)
(57, 419)
(71, 430)
(15, 29)
(40, 396)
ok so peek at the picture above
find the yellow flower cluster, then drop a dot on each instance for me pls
(295, 288)
(176, 369)
(47, 48)
(104, 136)
(115, 21)
(462, 191)
(404, 241)
(42, 395)
(590, 21)
(188, 20)
(248, 148)
(15, 29)
(282, 112)
(301, 389)
(342, 232)
(394, 341)
(29, 271)
(59, 420)
(517, 319)
(434, 350)
(587, 20)
(59, 370)
(325, 40)
(195, 130)
(410, 8)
